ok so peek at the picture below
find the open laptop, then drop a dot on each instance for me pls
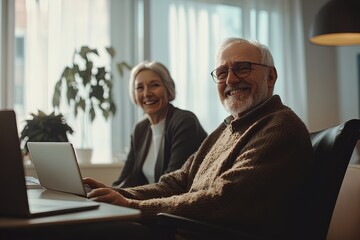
(57, 167)
(14, 200)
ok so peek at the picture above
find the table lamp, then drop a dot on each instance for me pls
(337, 24)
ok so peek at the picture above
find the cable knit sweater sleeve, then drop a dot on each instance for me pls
(242, 170)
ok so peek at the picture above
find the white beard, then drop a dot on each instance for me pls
(236, 106)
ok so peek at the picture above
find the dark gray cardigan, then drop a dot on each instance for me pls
(183, 136)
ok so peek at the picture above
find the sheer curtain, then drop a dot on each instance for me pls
(54, 29)
(187, 40)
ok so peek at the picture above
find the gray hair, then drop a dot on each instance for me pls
(160, 70)
(265, 54)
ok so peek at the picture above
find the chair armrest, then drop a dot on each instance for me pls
(173, 223)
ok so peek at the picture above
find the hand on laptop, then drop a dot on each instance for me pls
(108, 195)
(103, 193)
(93, 183)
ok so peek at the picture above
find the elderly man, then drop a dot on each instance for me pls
(243, 173)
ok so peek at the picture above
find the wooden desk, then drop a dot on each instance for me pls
(65, 226)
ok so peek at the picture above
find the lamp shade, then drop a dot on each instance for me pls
(337, 24)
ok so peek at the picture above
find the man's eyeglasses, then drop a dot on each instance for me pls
(240, 70)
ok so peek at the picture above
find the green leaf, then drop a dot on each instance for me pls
(65, 72)
(122, 66)
(76, 110)
(111, 51)
(101, 73)
(109, 84)
(92, 113)
(41, 114)
(69, 76)
(105, 114)
(75, 69)
(57, 95)
(82, 104)
(112, 108)
(98, 93)
(71, 94)
(84, 51)
(85, 76)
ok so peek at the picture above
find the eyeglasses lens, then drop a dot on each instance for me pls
(240, 69)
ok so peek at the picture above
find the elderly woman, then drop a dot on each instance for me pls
(163, 141)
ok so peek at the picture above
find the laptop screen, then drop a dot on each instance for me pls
(16, 203)
(57, 167)
(11, 170)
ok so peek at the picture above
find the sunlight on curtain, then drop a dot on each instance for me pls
(194, 30)
(55, 28)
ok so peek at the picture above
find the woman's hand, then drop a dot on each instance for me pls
(108, 195)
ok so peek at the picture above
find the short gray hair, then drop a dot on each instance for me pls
(160, 70)
(265, 54)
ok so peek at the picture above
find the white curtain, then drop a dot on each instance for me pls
(185, 35)
(54, 29)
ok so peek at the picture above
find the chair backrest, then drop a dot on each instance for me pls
(345, 220)
(333, 148)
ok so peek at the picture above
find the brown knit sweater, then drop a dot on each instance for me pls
(241, 175)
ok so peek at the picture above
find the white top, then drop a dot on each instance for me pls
(150, 161)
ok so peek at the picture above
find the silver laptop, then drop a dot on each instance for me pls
(14, 200)
(57, 167)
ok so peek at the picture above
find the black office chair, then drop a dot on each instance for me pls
(333, 148)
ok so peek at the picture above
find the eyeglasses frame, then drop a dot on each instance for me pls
(216, 80)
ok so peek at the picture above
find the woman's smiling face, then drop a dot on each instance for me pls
(151, 95)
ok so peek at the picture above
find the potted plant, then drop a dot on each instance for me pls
(87, 89)
(44, 128)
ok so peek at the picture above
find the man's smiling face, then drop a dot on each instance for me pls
(242, 94)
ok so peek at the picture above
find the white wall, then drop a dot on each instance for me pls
(348, 77)
(321, 74)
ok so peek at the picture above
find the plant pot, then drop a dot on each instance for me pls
(84, 155)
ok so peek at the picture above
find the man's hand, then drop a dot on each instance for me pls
(93, 183)
(108, 195)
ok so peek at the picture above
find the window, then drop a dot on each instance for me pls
(186, 43)
(182, 34)
(46, 36)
